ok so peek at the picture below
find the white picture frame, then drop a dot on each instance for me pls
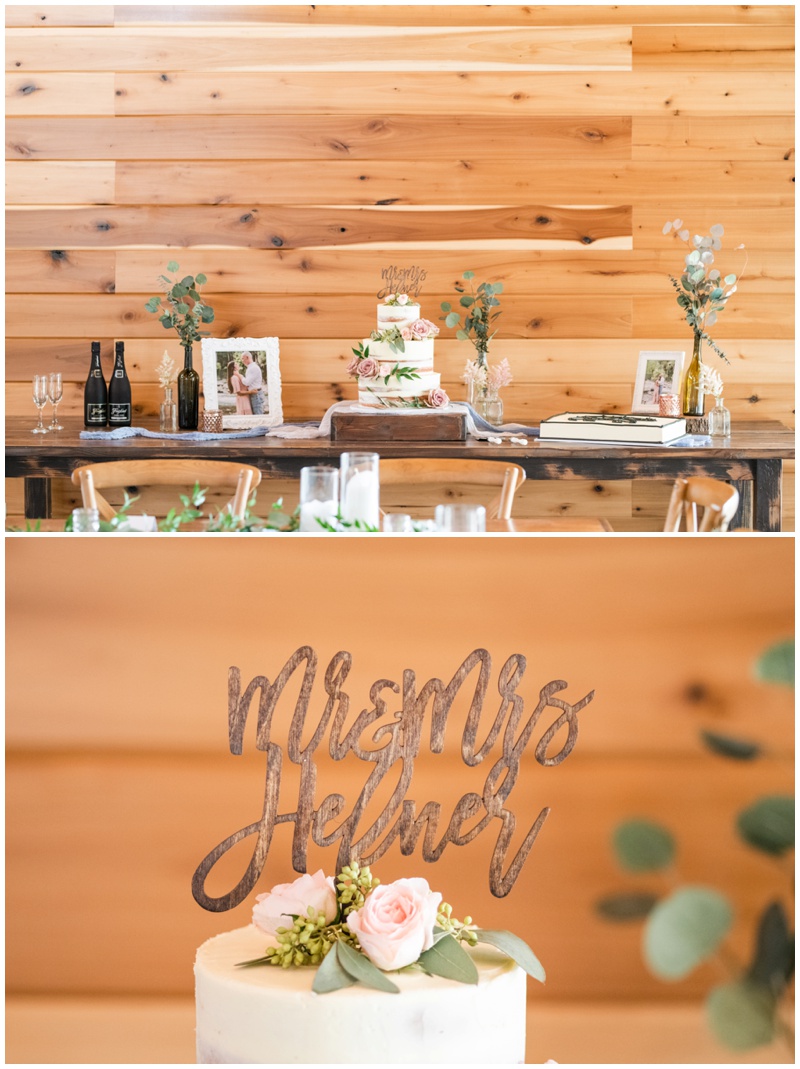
(232, 402)
(657, 372)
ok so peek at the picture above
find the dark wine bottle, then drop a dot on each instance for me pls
(95, 393)
(188, 393)
(119, 390)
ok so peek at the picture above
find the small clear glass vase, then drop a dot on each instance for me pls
(719, 421)
(168, 413)
(492, 410)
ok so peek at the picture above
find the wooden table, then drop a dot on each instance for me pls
(752, 460)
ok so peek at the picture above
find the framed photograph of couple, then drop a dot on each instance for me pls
(242, 381)
(657, 373)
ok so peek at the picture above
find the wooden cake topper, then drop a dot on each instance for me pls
(402, 280)
(399, 735)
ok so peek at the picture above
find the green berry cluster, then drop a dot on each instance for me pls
(305, 943)
(461, 930)
(353, 884)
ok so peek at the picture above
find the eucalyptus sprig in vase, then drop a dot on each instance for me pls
(702, 293)
(183, 310)
(480, 311)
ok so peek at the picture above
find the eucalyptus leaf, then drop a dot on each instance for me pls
(728, 746)
(466, 301)
(446, 306)
(452, 319)
(498, 287)
(768, 824)
(201, 280)
(361, 969)
(468, 275)
(462, 335)
(741, 1014)
(773, 959)
(776, 664)
(643, 846)
(684, 929)
(331, 976)
(448, 958)
(516, 949)
(172, 266)
(730, 279)
(626, 906)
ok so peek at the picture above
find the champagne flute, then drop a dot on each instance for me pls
(55, 391)
(40, 400)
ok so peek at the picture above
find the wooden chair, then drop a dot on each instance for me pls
(506, 477)
(718, 500)
(240, 478)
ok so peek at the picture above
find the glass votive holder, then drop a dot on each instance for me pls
(359, 489)
(319, 497)
(212, 422)
(85, 520)
(398, 523)
(669, 404)
(471, 518)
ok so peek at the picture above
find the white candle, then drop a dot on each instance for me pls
(362, 498)
(310, 511)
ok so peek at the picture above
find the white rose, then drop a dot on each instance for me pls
(275, 909)
(402, 298)
(395, 924)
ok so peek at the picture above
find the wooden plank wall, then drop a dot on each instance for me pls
(291, 152)
(119, 777)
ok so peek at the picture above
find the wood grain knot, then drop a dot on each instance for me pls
(276, 241)
(164, 77)
(593, 135)
(58, 256)
(543, 220)
(103, 226)
(586, 240)
(26, 90)
(339, 146)
(696, 693)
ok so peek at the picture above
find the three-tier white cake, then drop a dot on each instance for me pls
(270, 1015)
(394, 366)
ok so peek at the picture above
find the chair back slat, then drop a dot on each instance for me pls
(417, 470)
(718, 500)
(219, 474)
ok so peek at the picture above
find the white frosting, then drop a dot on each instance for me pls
(268, 1015)
(415, 354)
(369, 390)
(397, 315)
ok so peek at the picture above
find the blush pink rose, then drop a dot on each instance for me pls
(402, 298)
(275, 909)
(368, 369)
(423, 328)
(395, 924)
(437, 399)
(352, 367)
(405, 333)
